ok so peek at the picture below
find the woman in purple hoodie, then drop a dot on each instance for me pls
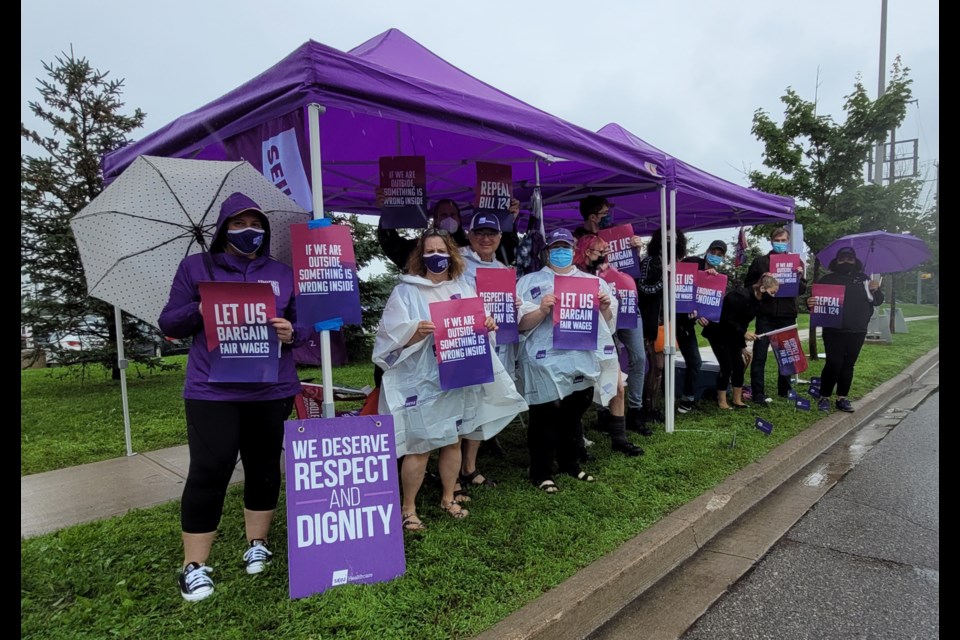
(227, 419)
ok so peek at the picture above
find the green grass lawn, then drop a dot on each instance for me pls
(116, 578)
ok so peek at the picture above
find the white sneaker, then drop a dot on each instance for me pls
(257, 557)
(195, 582)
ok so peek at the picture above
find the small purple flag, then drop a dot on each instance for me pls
(803, 404)
(815, 380)
(814, 391)
(792, 394)
(763, 425)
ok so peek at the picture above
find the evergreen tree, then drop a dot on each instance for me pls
(81, 109)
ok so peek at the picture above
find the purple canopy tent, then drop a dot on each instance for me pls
(368, 111)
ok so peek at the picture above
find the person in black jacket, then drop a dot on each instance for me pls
(774, 313)
(728, 337)
(686, 329)
(842, 344)
(446, 216)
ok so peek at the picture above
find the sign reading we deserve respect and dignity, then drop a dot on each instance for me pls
(343, 503)
(242, 344)
(575, 312)
(461, 342)
(403, 189)
(498, 289)
(623, 256)
(325, 283)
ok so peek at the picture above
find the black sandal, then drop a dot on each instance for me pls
(411, 522)
(469, 479)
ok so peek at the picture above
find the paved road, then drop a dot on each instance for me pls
(863, 563)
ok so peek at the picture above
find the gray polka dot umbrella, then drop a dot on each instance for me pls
(134, 234)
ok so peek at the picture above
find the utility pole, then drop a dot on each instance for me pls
(881, 88)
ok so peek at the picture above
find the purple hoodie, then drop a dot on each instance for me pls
(181, 317)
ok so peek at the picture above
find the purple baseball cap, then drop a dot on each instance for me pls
(485, 221)
(560, 235)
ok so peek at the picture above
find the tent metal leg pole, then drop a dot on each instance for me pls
(316, 178)
(671, 308)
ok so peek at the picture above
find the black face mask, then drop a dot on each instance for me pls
(599, 262)
(845, 267)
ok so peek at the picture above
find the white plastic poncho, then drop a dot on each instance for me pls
(506, 352)
(550, 374)
(425, 417)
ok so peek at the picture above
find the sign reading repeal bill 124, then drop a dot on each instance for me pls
(785, 267)
(575, 312)
(498, 289)
(324, 274)
(243, 345)
(622, 257)
(494, 191)
(403, 187)
(827, 308)
(343, 503)
(461, 342)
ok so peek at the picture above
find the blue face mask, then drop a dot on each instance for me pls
(713, 260)
(606, 221)
(780, 247)
(246, 241)
(561, 257)
(437, 262)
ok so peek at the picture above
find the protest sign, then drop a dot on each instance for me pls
(622, 257)
(343, 503)
(243, 345)
(686, 287)
(710, 289)
(625, 288)
(325, 281)
(461, 342)
(494, 192)
(785, 268)
(788, 351)
(576, 312)
(498, 290)
(403, 187)
(827, 310)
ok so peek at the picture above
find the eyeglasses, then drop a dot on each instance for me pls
(485, 233)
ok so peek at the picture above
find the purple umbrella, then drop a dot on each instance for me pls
(881, 252)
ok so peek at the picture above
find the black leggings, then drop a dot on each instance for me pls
(842, 349)
(555, 430)
(730, 358)
(217, 431)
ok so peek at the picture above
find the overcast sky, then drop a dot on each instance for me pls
(685, 75)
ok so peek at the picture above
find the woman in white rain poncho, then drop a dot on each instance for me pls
(560, 384)
(425, 417)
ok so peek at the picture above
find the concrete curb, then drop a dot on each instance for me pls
(596, 593)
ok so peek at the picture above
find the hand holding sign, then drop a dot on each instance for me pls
(424, 328)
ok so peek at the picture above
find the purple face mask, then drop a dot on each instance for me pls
(246, 241)
(437, 262)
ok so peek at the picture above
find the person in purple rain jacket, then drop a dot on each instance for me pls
(227, 419)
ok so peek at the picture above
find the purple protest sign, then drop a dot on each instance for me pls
(622, 257)
(343, 503)
(827, 310)
(710, 289)
(494, 191)
(243, 345)
(575, 313)
(498, 290)
(403, 188)
(789, 354)
(686, 287)
(461, 343)
(625, 288)
(325, 281)
(785, 267)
